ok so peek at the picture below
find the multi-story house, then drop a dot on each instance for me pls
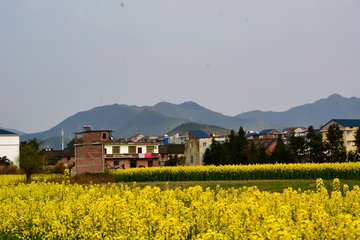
(196, 145)
(9, 145)
(348, 127)
(96, 150)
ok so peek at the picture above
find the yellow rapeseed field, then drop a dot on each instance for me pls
(64, 211)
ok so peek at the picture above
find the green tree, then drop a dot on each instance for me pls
(314, 146)
(281, 153)
(241, 145)
(30, 157)
(263, 157)
(252, 153)
(5, 161)
(216, 154)
(230, 145)
(297, 147)
(71, 143)
(335, 144)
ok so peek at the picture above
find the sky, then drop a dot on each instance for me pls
(58, 58)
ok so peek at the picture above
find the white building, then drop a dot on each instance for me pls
(9, 145)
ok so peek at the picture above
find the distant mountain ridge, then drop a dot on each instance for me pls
(163, 117)
(315, 114)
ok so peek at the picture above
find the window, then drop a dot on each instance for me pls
(116, 149)
(133, 164)
(349, 133)
(191, 144)
(132, 149)
(104, 135)
(150, 163)
(204, 144)
(349, 143)
(149, 149)
(191, 159)
(116, 163)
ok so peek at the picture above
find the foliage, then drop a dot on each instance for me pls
(314, 146)
(175, 160)
(30, 158)
(335, 144)
(281, 153)
(4, 161)
(357, 141)
(297, 147)
(71, 143)
(62, 211)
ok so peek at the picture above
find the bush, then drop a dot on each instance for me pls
(59, 167)
(9, 169)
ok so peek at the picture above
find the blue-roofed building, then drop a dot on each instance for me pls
(196, 145)
(9, 145)
(269, 133)
(197, 134)
(348, 126)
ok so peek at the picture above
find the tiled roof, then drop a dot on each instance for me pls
(67, 152)
(348, 122)
(134, 136)
(251, 134)
(5, 132)
(198, 134)
(266, 131)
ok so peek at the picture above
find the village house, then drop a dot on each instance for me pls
(67, 156)
(10, 145)
(299, 132)
(269, 133)
(97, 150)
(167, 150)
(348, 127)
(196, 145)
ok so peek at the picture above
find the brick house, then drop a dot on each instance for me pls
(269, 133)
(97, 150)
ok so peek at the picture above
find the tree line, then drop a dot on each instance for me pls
(237, 149)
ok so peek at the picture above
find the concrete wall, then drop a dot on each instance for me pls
(10, 147)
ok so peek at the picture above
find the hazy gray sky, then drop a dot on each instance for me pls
(61, 57)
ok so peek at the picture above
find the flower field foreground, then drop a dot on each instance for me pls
(241, 172)
(60, 211)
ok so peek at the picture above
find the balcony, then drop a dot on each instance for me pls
(132, 155)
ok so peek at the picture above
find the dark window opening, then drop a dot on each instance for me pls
(150, 163)
(104, 135)
(116, 163)
(133, 164)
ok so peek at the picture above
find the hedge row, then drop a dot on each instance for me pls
(241, 172)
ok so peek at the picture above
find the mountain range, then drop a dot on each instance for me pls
(163, 117)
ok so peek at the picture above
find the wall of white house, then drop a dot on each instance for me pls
(9, 147)
(124, 149)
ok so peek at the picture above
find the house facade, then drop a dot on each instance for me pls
(97, 150)
(196, 146)
(348, 127)
(299, 132)
(10, 145)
